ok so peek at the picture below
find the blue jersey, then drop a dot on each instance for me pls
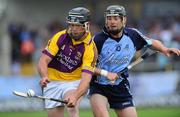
(115, 54)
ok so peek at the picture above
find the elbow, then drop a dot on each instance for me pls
(43, 62)
(156, 42)
(158, 45)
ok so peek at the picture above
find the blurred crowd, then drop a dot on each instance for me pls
(167, 30)
(28, 42)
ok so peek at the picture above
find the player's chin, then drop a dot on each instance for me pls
(114, 31)
(77, 36)
(113, 28)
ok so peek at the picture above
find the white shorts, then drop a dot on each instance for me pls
(57, 90)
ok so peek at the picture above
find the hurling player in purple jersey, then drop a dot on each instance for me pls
(67, 64)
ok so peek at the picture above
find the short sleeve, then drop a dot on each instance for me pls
(139, 39)
(52, 45)
(89, 58)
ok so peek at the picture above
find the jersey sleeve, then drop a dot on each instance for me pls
(139, 39)
(52, 46)
(89, 58)
(99, 40)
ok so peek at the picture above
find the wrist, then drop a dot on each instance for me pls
(104, 72)
(164, 50)
(44, 77)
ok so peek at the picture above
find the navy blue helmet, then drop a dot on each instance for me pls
(79, 15)
(115, 10)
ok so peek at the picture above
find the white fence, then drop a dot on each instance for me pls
(149, 89)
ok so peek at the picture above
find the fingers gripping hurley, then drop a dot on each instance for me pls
(31, 94)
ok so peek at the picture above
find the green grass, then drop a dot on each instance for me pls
(142, 112)
(159, 112)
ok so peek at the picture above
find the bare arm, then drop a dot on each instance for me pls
(81, 90)
(157, 45)
(43, 69)
(84, 84)
(97, 71)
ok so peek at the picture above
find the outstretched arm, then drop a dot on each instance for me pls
(157, 45)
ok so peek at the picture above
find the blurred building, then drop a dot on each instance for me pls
(43, 18)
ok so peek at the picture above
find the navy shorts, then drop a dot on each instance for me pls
(119, 96)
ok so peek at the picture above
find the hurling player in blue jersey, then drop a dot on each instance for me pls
(116, 46)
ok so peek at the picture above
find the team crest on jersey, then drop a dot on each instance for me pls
(71, 47)
(62, 48)
(118, 47)
(78, 56)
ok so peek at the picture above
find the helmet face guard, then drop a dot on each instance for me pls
(75, 19)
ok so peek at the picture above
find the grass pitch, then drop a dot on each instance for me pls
(142, 112)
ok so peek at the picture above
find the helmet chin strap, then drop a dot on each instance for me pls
(86, 26)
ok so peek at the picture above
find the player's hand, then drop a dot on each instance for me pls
(44, 81)
(112, 76)
(170, 51)
(71, 99)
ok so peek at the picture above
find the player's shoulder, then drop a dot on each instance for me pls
(100, 36)
(60, 33)
(90, 48)
(59, 36)
(131, 31)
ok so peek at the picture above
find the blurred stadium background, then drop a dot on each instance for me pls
(26, 25)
